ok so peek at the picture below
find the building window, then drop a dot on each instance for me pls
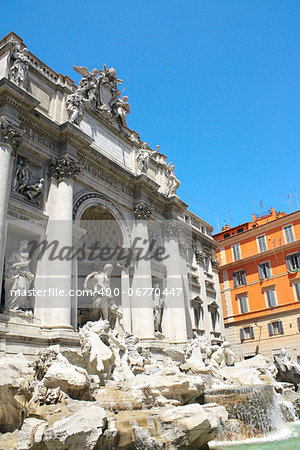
(271, 297)
(236, 249)
(298, 323)
(275, 328)
(262, 243)
(239, 278)
(198, 315)
(214, 319)
(297, 290)
(246, 333)
(206, 263)
(298, 359)
(264, 270)
(243, 303)
(293, 262)
(226, 235)
(289, 234)
(240, 230)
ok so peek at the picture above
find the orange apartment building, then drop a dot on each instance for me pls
(260, 284)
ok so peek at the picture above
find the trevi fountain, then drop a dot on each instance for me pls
(111, 327)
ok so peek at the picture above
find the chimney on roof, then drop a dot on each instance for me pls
(226, 227)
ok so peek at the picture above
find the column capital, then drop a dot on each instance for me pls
(142, 210)
(215, 263)
(10, 134)
(172, 229)
(64, 167)
(183, 247)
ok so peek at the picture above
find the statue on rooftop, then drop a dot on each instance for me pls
(143, 158)
(74, 104)
(173, 182)
(99, 89)
(19, 64)
(88, 83)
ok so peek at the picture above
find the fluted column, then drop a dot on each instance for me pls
(10, 138)
(142, 311)
(174, 304)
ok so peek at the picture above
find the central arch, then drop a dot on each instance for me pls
(102, 226)
(87, 199)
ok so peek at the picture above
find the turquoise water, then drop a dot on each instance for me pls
(286, 439)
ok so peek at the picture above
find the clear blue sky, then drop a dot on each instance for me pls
(215, 83)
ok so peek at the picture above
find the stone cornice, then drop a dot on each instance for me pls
(71, 134)
(19, 211)
(16, 97)
(266, 314)
(261, 229)
(143, 183)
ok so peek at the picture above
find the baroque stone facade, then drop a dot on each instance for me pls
(75, 177)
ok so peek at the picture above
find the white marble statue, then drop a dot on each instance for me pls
(34, 191)
(121, 108)
(143, 158)
(103, 303)
(158, 308)
(21, 176)
(99, 88)
(74, 105)
(20, 62)
(18, 277)
(173, 182)
(88, 83)
(229, 356)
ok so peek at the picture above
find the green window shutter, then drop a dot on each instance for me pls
(288, 262)
(234, 279)
(280, 327)
(270, 328)
(242, 334)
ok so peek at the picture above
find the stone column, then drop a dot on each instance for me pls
(10, 138)
(215, 270)
(142, 312)
(60, 270)
(175, 304)
(126, 299)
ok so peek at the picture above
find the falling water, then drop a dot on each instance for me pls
(252, 411)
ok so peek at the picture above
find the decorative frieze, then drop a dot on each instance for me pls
(10, 134)
(142, 210)
(64, 168)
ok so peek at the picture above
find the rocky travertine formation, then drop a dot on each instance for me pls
(116, 394)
